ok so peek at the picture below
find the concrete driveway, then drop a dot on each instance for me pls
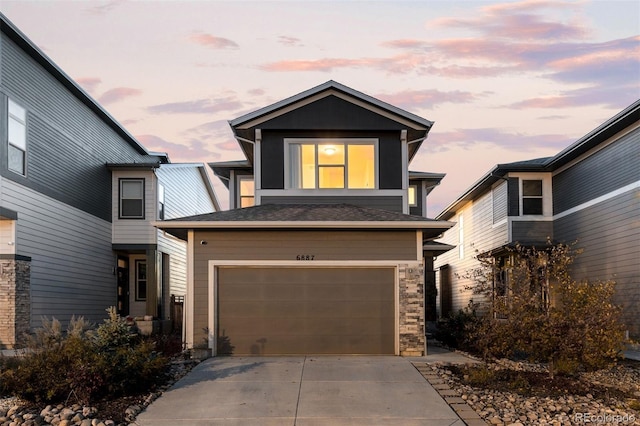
(323, 390)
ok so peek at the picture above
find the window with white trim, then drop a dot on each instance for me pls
(131, 199)
(532, 197)
(247, 191)
(141, 280)
(332, 164)
(17, 138)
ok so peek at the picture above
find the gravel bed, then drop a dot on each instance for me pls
(121, 412)
(575, 406)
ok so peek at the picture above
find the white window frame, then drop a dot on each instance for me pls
(120, 182)
(337, 141)
(242, 196)
(547, 195)
(18, 115)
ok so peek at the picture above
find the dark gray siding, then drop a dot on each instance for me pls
(272, 155)
(609, 234)
(531, 231)
(67, 143)
(376, 202)
(611, 168)
(513, 189)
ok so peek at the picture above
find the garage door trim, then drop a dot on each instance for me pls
(213, 285)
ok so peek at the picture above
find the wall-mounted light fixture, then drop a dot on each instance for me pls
(203, 243)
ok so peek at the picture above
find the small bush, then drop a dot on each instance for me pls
(83, 364)
(457, 330)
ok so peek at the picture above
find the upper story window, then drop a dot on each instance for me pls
(161, 212)
(17, 137)
(413, 195)
(460, 236)
(131, 198)
(532, 197)
(247, 191)
(332, 164)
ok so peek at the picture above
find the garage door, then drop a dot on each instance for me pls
(280, 311)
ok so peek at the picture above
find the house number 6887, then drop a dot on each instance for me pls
(305, 257)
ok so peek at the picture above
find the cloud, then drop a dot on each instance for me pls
(467, 138)
(118, 94)
(427, 98)
(213, 42)
(192, 150)
(89, 83)
(256, 92)
(199, 106)
(104, 8)
(290, 41)
(616, 97)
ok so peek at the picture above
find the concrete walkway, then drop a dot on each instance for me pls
(303, 391)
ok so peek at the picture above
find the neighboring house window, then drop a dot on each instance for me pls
(17, 137)
(461, 236)
(332, 165)
(413, 196)
(532, 197)
(141, 280)
(247, 191)
(132, 198)
(160, 202)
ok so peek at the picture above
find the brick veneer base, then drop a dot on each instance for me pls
(411, 309)
(15, 311)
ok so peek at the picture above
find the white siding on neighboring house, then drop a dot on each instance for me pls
(72, 269)
(134, 231)
(480, 234)
(185, 194)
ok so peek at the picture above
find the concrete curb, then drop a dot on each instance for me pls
(466, 413)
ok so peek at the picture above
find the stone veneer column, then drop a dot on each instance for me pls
(15, 303)
(411, 307)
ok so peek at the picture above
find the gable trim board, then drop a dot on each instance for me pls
(330, 88)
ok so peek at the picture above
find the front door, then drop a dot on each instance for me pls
(123, 286)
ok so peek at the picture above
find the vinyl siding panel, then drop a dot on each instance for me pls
(609, 234)
(608, 169)
(286, 245)
(500, 205)
(177, 251)
(184, 191)
(72, 262)
(67, 144)
(393, 203)
(531, 231)
(480, 235)
(135, 231)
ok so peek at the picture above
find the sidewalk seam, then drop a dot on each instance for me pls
(295, 416)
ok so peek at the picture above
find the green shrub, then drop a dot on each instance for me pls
(456, 331)
(83, 364)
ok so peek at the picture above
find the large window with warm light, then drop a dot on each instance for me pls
(332, 164)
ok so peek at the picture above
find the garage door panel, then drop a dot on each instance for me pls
(266, 311)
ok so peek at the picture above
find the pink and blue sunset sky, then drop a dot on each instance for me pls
(503, 80)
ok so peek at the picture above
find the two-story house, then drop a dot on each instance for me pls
(588, 193)
(77, 197)
(319, 253)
